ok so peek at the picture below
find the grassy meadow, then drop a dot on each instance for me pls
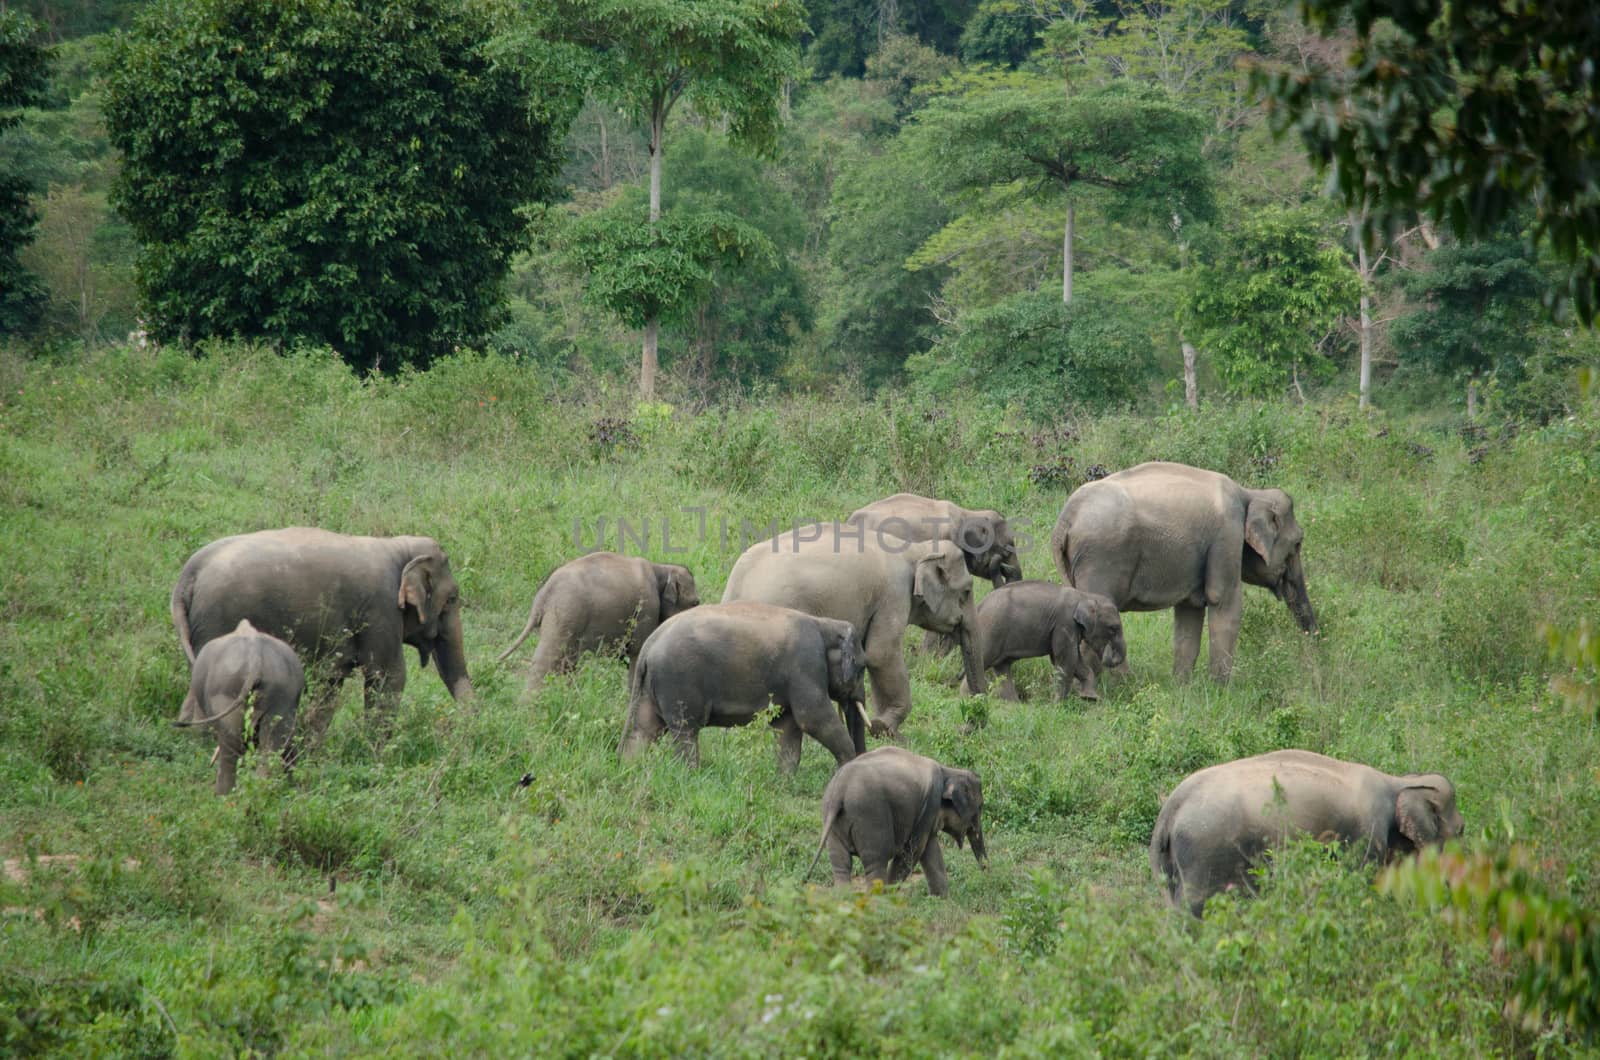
(416, 900)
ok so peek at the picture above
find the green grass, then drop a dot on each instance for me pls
(649, 910)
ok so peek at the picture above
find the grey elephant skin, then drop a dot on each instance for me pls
(1166, 535)
(877, 583)
(244, 676)
(888, 806)
(983, 535)
(344, 603)
(1219, 821)
(721, 665)
(1079, 632)
(602, 602)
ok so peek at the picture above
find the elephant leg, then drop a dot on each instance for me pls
(1008, 687)
(933, 868)
(230, 745)
(937, 645)
(318, 715)
(1224, 622)
(820, 721)
(643, 726)
(787, 731)
(1187, 622)
(891, 685)
(382, 699)
(687, 741)
(550, 656)
(839, 858)
(272, 738)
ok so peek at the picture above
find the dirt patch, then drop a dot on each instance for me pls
(15, 870)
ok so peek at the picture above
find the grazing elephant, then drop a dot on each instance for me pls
(1168, 535)
(342, 602)
(983, 536)
(888, 806)
(722, 664)
(1220, 820)
(598, 602)
(1079, 632)
(878, 584)
(245, 672)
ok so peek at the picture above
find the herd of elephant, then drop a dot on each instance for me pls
(804, 620)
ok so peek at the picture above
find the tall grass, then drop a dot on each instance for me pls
(420, 899)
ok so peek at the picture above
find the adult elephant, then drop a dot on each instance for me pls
(879, 584)
(1166, 535)
(1217, 823)
(983, 535)
(344, 603)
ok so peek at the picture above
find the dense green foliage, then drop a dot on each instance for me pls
(326, 170)
(22, 76)
(643, 910)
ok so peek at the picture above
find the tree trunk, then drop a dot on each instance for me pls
(605, 156)
(1191, 387)
(1364, 271)
(1472, 397)
(652, 326)
(1066, 257)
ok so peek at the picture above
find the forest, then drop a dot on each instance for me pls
(529, 278)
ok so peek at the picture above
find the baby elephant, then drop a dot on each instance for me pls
(722, 664)
(601, 601)
(888, 806)
(240, 673)
(1079, 631)
(1220, 820)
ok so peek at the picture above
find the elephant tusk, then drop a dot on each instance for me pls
(861, 708)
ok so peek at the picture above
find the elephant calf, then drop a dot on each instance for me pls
(1079, 632)
(242, 673)
(888, 806)
(602, 602)
(722, 664)
(1220, 820)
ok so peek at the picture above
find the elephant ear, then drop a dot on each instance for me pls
(1083, 616)
(1416, 813)
(1261, 529)
(416, 587)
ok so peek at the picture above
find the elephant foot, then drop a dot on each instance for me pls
(884, 730)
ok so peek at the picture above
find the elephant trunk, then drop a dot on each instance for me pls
(971, 651)
(450, 656)
(1010, 570)
(979, 851)
(1115, 653)
(1292, 591)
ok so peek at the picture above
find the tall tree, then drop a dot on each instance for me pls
(328, 170)
(729, 59)
(22, 79)
(1132, 143)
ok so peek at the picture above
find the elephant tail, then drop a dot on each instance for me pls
(1162, 864)
(188, 717)
(182, 594)
(535, 617)
(1060, 551)
(830, 816)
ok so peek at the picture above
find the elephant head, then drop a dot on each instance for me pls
(989, 547)
(1425, 812)
(1272, 540)
(941, 601)
(847, 664)
(961, 810)
(430, 601)
(677, 589)
(1100, 628)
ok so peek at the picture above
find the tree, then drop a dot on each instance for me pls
(328, 170)
(1467, 112)
(22, 79)
(1477, 309)
(728, 58)
(1131, 142)
(1267, 299)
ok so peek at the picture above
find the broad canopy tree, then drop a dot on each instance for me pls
(729, 59)
(23, 59)
(1132, 143)
(329, 170)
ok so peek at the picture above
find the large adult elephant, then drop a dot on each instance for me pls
(1166, 535)
(877, 583)
(1217, 823)
(983, 535)
(344, 603)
